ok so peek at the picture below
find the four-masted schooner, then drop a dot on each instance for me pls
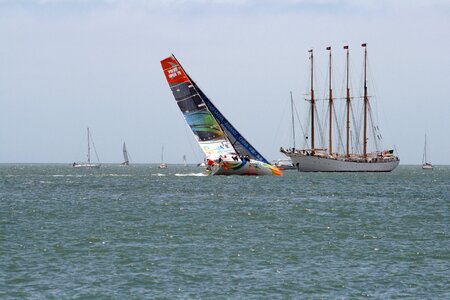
(314, 159)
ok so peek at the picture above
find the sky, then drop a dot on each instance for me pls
(70, 64)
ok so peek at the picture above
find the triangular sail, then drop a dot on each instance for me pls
(215, 134)
(207, 131)
(125, 154)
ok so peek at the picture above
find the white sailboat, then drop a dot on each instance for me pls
(322, 159)
(162, 165)
(184, 160)
(88, 164)
(126, 161)
(226, 150)
(425, 164)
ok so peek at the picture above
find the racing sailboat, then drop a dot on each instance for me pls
(88, 164)
(324, 158)
(226, 150)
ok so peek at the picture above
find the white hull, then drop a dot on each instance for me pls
(427, 167)
(163, 166)
(251, 168)
(306, 163)
(86, 165)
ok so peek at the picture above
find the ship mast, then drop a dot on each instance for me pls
(366, 100)
(311, 57)
(348, 106)
(89, 148)
(292, 113)
(331, 108)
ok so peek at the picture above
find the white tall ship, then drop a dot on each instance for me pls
(88, 164)
(324, 159)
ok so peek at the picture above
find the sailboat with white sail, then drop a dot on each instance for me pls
(226, 150)
(324, 159)
(162, 165)
(184, 160)
(426, 165)
(88, 164)
(126, 160)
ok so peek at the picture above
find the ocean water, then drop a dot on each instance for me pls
(140, 232)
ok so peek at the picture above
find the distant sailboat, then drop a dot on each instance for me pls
(88, 164)
(162, 165)
(184, 160)
(425, 164)
(126, 161)
(226, 150)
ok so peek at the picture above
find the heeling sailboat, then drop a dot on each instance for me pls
(126, 161)
(425, 164)
(88, 164)
(324, 159)
(226, 150)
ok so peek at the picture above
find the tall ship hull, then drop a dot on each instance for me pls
(316, 163)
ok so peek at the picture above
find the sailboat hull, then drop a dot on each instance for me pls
(307, 163)
(250, 168)
(86, 165)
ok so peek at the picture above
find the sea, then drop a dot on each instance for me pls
(140, 232)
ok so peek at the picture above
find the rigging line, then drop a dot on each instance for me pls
(355, 143)
(340, 143)
(93, 145)
(322, 139)
(274, 140)
(377, 148)
(301, 126)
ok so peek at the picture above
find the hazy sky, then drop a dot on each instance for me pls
(69, 64)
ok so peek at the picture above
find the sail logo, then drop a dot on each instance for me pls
(174, 72)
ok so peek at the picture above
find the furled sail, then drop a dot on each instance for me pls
(215, 134)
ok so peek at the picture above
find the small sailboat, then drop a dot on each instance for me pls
(88, 164)
(184, 160)
(226, 150)
(323, 158)
(126, 161)
(425, 164)
(162, 165)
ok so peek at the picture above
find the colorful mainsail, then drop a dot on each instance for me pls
(215, 134)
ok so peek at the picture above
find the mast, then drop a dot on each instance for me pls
(89, 148)
(365, 100)
(424, 159)
(292, 113)
(348, 106)
(331, 108)
(162, 154)
(311, 57)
